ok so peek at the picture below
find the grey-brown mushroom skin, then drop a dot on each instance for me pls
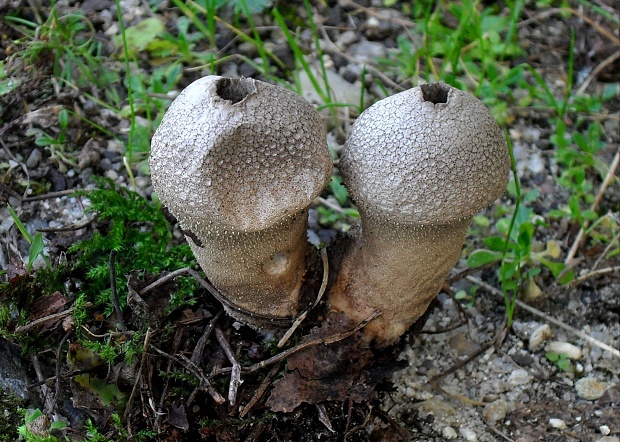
(238, 162)
(419, 165)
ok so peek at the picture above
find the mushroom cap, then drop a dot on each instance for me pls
(429, 155)
(238, 155)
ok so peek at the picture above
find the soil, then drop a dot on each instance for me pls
(459, 374)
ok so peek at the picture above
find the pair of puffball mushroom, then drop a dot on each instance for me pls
(239, 161)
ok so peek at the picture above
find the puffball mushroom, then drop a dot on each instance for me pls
(238, 162)
(419, 165)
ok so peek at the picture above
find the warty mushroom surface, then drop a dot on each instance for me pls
(419, 165)
(238, 162)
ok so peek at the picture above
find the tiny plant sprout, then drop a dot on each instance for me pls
(419, 165)
(238, 162)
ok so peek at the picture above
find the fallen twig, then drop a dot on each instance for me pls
(54, 317)
(606, 251)
(58, 361)
(286, 353)
(71, 228)
(260, 391)
(235, 374)
(202, 341)
(606, 182)
(163, 280)
(196, 371)
(546, 317)
(602, 65)
(145, 345)
(594, 273)
(319, 296)
(49, 195)
(499, 337)
(176, 344)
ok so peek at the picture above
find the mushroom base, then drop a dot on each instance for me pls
(397, 270)
(260, 273)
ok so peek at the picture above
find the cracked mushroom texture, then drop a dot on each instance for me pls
(419, 165)
(238, 162)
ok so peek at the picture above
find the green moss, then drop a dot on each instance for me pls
(10, 416)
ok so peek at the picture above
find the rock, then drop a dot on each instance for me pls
(382, 24)
(449, 433)
(352, 72)
(590, 388)
(536, 164)
(604, 429)
(531, 134)
(248, 49)
(13, 371)
(341, 90)
(571, 351)
(437, 407)
(496, 411)
(34, 159)
(609, 439)
(519, 377)
(111, 174)
(523, 358)
(469, 435)
(557, 423)
(347, 38)
(538, 336)
(367, 51)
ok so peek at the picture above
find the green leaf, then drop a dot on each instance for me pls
(564, 364)
(20, 225)
(589, 215)
(36, 249)
(496, 243)
(553, 357)
(63, 118)
(481, 220)
(567, 277)
(480, 257)
(44, 141)
(58, 425)
(338, 190)
(353, 213)
(139, 36)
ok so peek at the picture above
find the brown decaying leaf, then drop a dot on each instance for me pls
(325, 372)
(47, 305)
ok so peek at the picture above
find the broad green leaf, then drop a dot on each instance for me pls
(478, 258)
(140, 35)
(495, 243)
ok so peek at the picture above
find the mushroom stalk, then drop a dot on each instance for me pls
(376, 274)
(264, 270)
(238, 162)
(419, 165)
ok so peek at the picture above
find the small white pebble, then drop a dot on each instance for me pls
(519, 377)
(449, 433)
(557, 423)
(604, 429)
(571, 351)
(538, 336)
(111, 174)
(469, 435)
